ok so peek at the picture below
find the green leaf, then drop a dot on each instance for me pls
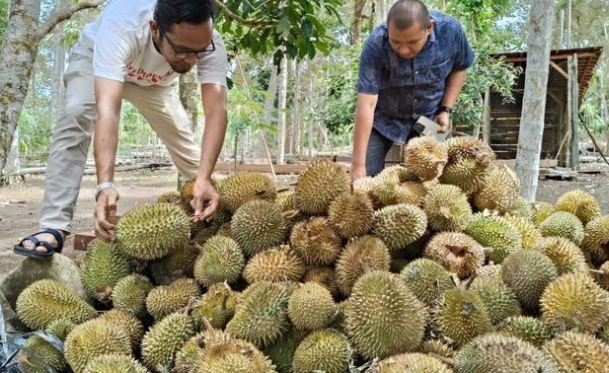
(283, 27)
(306, 27)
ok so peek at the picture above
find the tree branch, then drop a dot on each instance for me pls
(65, 14)
(228, 13)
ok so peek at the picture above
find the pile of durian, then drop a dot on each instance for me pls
(435, 266)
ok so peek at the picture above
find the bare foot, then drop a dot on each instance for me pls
(46, 237)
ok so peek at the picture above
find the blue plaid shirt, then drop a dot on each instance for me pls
(410, 88)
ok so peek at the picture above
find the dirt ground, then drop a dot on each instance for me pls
(20, 206)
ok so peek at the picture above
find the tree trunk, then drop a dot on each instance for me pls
(17, 57)
(60, 65)
(281, 125)
(269, 107)
(486, 117)
(534, 101)
(309, 102)
(356, 26)
(381, 11)
(296, 108)
(604, 109)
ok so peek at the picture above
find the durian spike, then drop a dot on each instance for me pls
(450, 362)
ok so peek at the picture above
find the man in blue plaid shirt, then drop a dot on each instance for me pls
(413, 65)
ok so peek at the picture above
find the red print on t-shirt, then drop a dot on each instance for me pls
(141, 74)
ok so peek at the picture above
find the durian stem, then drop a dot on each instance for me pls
(457, 250)
(292, 214)
(281, 190)
(598, 272)
(450, 362)
(206, 323)
(470, 280)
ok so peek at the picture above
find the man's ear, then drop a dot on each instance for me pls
(154, 27)
(430, 26)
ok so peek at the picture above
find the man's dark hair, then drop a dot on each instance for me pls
(405, 13)
(170, 12)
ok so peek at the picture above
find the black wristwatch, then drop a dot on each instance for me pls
(447, 109)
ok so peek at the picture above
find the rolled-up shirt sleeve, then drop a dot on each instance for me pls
(464, 55)
(213, 68)
(369, 80)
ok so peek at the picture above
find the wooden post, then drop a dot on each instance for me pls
(486, 117)
(573, 112)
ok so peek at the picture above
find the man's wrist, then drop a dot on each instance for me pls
(103, 186)
(445, 109)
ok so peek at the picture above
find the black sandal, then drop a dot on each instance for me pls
(19, 249)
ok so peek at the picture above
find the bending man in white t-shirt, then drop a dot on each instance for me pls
(134, 51)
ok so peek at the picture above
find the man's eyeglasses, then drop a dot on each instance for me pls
(184, 55)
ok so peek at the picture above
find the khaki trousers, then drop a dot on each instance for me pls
(72, 135)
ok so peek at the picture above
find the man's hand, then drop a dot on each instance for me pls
(357, 172)
(205, 201)
(443, 119)
(105, 208)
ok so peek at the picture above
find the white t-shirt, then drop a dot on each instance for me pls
(120, 43)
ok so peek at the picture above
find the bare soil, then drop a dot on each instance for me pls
(20, 206)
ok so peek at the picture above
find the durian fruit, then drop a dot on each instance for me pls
(456, 252)
(322, 351)
(315, 242)
(318, 185)
(167, 299)
(567, 257)
(575, 352)
(368, 185)
(447, 208)
(104, 265)
(261, 316)
(161, 343)
(325, 276)
(498, 299)
(363, 254)
(425, 157)
(391, 189)
(169, 197)
(258, 225)
(575, 301)
(527, 273)
(45, 301)
(603, 334)
(225, 230)
(226, 354)
(38, 354)
(427, 279)
(383, 317)
(311, 307)
(285, 201)
(130, 294)
(521, 208)
(596, 239)
(541, 211)
(412, 363)
(438, 347)
(205, 234)
(460, 316)
(238, 189)
(282, 352)
(563, 224)
(114, 364)
(92, 339)
(602, 276)
(220, 260)
(179, 263)
(529, 329)
(165, 339)
(152, 231)
(491, 272)
(186, 358)
(531, 235)
(498, 353)
(496, 234)
(399, 225)
(187, 194)
(468, 161)
(500, 191)
(581, 204)
(131, 325)
(351, 214)
(217, 305)
(274, 265)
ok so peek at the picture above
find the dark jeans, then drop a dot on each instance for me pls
(378, 147)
